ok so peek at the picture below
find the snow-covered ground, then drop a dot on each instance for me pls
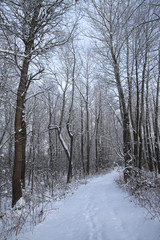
(96, 211)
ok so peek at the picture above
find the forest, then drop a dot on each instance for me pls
(79, 94)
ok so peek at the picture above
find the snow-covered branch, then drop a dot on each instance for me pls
(12, 53)
(64, 145)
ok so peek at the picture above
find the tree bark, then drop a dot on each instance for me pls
(124, 112)
(18, 177)
(82, 140)
(156, 128)
(20, 136)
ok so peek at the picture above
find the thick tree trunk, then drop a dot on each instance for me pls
(18, 178)
(126, 140)
(142, 102)
(20, 144)
(20, 125)
(124, 113)
(156, 128)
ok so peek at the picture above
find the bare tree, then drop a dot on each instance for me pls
(107, 22)
(84, 87)
(116, 38)
(35, 26)
(65, 82)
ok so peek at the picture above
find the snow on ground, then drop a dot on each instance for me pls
(97, 211)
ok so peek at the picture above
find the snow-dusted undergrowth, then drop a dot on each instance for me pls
(33, 207)
(99, 210)
(87, 206)
(144, 187)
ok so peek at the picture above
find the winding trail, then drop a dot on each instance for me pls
(97, 211)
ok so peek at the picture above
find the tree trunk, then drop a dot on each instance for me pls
(20, 137)
(70, 173)
(51, 154)
(124, 113)
(87, 124)
(96, 141)
(136, 135)
(82, 140)
(148, 137)
(156, 128)
(18, 177)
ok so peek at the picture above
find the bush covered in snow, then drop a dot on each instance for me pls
(144, 187)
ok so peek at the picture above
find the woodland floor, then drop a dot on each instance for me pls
(99, 210)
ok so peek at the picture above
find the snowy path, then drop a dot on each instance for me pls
(97, 211)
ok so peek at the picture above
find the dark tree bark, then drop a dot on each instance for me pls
(69, 122)
(147, 135)
(136, 142)
(82, 139)
(124, 112)
(20, 125)
(36, 20)
(156, 127)
(87, 125)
